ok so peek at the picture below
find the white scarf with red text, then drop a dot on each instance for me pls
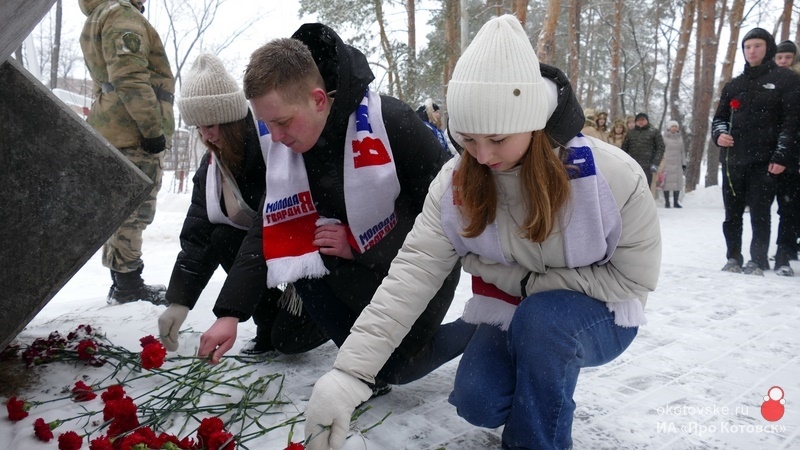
(290, 218)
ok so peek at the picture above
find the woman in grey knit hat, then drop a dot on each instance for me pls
(228, 188)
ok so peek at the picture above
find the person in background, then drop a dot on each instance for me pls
(133, 89)
(630, 122)
(589, 125)
(645, 144)
(617, 134)
(430, 116)
(787, 189)
(228, 187)
(755, 126)
(602, 125)
(674, 164)
(551, 296)
(347, 174)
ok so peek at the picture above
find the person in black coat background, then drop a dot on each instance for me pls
(228, 188)
(755, 126)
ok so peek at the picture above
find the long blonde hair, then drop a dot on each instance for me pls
(545, 184)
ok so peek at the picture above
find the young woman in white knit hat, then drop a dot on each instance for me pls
(559, 232)
(228, 188)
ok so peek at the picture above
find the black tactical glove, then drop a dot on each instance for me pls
(154, 145)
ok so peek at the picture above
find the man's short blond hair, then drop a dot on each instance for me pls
(284, 65)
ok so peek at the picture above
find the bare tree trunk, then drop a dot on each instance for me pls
(55, 51)
(452, 40)
(680, 60)
(735, 18)
(411, 66)
(702, 98)
(388, 52)
(546, 49)
(590, 80)
(786, 19)
(616, 49)
(521, 10)
(574, 33)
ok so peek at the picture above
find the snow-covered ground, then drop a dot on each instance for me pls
(695, 377)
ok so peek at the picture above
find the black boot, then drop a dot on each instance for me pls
(676, 195)
(666, 199)
(129, 287)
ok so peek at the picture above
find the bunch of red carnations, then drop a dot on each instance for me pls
(205, 402)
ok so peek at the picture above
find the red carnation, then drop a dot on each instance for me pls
(164, 438)
(147, 340)
(295, 446)
(82, 392)
(153, 356)
(69, 441)
(735, 104)
(144, 436)
(42, 430)
(101, 443)
(17, 409)
(115, 392)
(208, 426)
(86, 349)
(187, 443)
(122, 413)
(221, 440)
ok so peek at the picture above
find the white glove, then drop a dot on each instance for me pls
(169, 323)
(506, 278)
(334, 398)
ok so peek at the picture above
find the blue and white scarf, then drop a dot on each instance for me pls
(592, 230)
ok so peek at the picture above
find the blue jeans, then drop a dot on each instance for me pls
(524, 378)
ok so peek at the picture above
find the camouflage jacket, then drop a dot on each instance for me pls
(133, 81)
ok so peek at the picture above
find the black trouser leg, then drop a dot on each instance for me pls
(760, 195)
(788, 196)
(733, 197)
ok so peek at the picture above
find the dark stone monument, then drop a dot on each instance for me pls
(63, 188)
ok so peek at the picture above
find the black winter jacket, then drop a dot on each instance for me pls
(765, 122)
(418, 158)
(206, 245)
(645, 145)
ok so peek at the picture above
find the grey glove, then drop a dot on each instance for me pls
(653, 168)
(169, 323)
(334, 398)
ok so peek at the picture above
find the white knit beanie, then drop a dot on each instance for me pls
(496, 86)
(209, 95)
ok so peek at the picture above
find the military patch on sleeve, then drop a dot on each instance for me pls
(131, 42)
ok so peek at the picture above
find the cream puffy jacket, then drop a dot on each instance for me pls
(427, 257)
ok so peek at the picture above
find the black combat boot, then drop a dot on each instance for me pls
(129, 287)
(676, 195)
(666, 199)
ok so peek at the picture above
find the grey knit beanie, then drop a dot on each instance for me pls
(209, 95)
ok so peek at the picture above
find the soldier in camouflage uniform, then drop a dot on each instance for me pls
(134, 89)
